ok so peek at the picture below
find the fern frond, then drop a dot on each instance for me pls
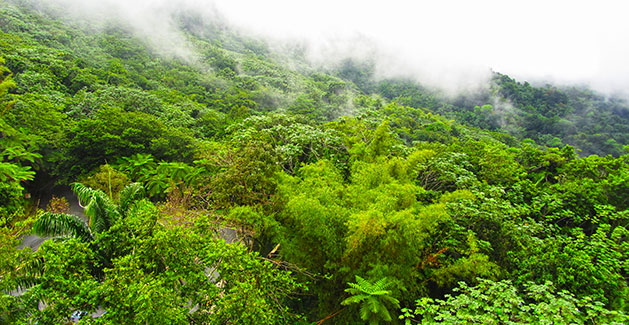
(364, 312)
(373, 299)
(391, 300)
(354, 288)
(354, 299)
(373, 304)
(380, 292)
(363, 284)
(382, 284)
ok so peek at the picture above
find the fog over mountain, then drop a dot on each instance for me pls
(449, 44)
(275, 162)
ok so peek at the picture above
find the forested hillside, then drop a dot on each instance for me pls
(551, 115)
(239, 184)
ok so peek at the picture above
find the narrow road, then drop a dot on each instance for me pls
(33, 241)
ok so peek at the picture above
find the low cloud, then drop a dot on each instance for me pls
(448, 44)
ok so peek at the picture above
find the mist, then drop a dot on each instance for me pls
(451, 45)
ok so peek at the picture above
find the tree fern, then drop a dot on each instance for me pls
(372, 298)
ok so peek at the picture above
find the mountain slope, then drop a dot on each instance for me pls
(347, 194)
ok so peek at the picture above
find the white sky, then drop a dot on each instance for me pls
(447, 43)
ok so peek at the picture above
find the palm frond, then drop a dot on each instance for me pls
(85, 194)
(28, 273)
(102, 213)
(61, 224)
(25, 282)
(100, 210)
(130, 193)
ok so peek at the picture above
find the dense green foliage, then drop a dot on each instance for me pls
(492, 302)
(243, 186)
(551, 115)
